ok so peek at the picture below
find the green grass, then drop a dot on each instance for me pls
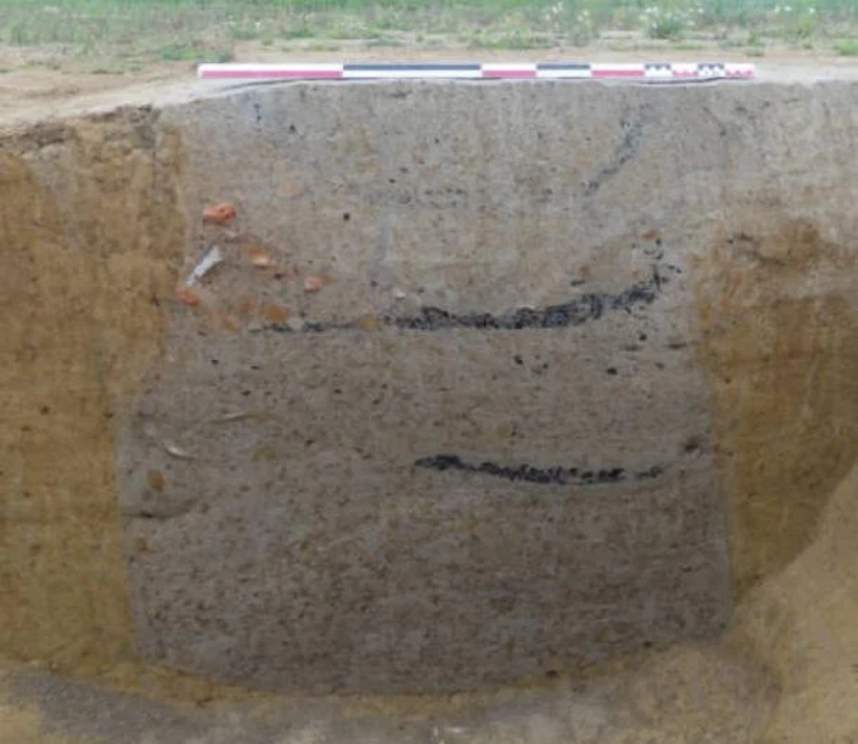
(318, 46)
(385, 42)
(508, 40)
(300, 32)
(847, 48)
(185, 30)
(188, 52)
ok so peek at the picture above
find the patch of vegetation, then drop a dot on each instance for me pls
(177, 53)
(385, 41)
(319, 46)
(174, 28)
(847, 48)
(667, 25)
(805, 28)
(755, 46)
(245, 33)
(301, 31)
(189, 52)
(510, 40)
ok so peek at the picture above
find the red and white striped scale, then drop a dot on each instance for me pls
(643, 72)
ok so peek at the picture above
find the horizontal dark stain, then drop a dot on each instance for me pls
(573, 313)
(554, 476)
(587, 307)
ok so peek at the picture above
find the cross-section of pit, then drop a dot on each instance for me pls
(470, 383)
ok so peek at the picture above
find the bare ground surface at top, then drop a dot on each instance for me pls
(40, 83)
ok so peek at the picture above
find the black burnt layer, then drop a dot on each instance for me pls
(524, 473)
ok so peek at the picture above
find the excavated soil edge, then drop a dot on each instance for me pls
(91, 229)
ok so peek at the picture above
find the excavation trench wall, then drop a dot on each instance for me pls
(491, 379)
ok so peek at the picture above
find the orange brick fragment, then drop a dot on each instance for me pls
(276, 313)
(187, 296)
(260, 258)
(220, 214)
